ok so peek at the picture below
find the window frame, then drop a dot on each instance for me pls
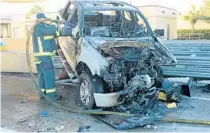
(143, 19)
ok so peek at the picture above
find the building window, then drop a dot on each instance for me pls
(5, 33)
(16, 32)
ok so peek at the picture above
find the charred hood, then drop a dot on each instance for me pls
(133, 51)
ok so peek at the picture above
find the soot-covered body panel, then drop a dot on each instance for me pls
(133, 70)
(117, 52)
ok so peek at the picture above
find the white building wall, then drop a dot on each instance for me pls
(162, 18)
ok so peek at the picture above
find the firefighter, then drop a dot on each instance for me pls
(44, 48)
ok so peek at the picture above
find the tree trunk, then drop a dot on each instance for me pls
(193, 28)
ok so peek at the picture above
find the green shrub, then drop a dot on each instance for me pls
(206, 32)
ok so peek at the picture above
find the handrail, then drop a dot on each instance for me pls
(191, 36)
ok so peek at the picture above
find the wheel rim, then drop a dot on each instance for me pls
(85, 95)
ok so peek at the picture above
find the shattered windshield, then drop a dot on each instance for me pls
(111, 23)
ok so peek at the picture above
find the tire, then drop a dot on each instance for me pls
(87, 86)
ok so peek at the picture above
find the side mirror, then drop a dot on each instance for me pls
(159, 33)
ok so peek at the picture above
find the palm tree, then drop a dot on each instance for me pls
(193, 16)
(206, 12)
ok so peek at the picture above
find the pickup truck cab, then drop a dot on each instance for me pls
(113, 51)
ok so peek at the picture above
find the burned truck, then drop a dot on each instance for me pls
(112, 50)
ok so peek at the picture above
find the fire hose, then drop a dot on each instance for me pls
(92, 112)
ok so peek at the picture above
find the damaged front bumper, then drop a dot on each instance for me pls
(140, 86)
(107, 100)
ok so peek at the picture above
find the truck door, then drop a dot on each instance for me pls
(68, 44)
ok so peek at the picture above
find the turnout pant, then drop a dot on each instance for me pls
(46, 76)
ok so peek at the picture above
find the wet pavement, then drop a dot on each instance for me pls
(25, 116)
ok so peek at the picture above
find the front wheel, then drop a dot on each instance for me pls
(87, 86)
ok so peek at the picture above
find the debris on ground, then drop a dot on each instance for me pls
(171, 105)
(162, 96)
(22, 100)
(22, 120)
(32, 123)
(44, 113)
(43, 130)
(147, 118)
(151, 126)
(83, 128)
(59, 128)
(206, 88)
(173, 91)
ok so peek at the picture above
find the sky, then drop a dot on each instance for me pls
(54, 5)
